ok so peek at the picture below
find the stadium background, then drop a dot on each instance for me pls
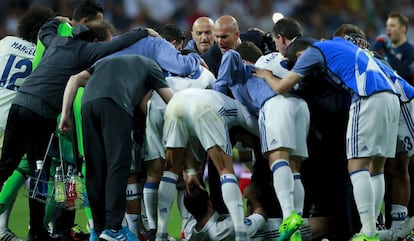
(319, 17)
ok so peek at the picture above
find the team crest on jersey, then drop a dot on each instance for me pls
(247, 221)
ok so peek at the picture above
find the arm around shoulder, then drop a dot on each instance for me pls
(74, 82)
(280, 86)
(49, 29)
(128, 38)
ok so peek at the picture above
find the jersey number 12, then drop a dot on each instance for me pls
(15, 69)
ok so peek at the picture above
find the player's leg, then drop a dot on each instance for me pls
(7, 197)
(280, 139)
(366, 152)
(168, 190)
(154, 172)
(230, 189)
(154, 159)
(175, 137)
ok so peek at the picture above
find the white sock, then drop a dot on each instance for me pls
(233, 199)
(185, 215)
(378, 183)
(298, 194)
(364, 199)
(283, 184)
(132, 222)
(150, 193)
(4, 220)
(132, 192)
(166, 196)
(398, 215)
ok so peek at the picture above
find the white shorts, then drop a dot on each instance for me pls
(154, 123)
(406, 128)
(284, 122)
(373, 126)
(200, 120)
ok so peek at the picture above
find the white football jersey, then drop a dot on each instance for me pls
(177, 83)
(16, 58)
(274, 62)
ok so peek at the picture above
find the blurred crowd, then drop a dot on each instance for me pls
(318, 17)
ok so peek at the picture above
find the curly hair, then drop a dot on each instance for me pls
(30, 23)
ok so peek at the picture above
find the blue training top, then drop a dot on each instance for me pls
(165, 55)
(233, 74)
(346, 65)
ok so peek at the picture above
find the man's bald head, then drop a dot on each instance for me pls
(203, 22)
(227, 21)
(202, 33)
(227, 33)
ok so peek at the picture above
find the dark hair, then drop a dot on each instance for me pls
(401, 18)
(97, 29)
(30, 23)
(249, 51)
(87, 8)
(187, 51)
(196, 202)
(288, 27)
(354, 34)
(347, 29)
(299, 44)
(171, 32)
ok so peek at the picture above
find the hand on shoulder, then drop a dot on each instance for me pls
(153, 33)
(63, 19)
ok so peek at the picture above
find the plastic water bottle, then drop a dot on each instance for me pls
(78, 182)
(60, 196)
(41, 179)
(71, 194)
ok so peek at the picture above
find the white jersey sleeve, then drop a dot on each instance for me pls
(204, 81)
(273, 62)
(219, 227)
(16, 58)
